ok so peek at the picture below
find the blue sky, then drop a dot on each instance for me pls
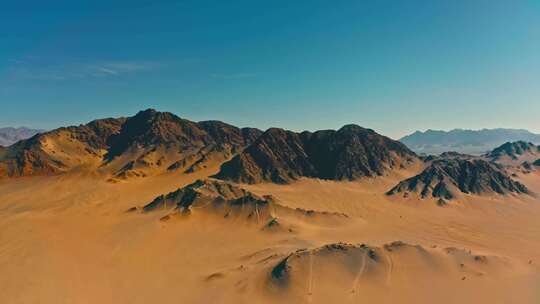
(394, 66)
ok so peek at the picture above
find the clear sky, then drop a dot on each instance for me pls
(394, 66)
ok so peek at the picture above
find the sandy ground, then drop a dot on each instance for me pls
(68, 239)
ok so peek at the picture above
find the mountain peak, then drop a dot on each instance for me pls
(148, 141)
(353, 128)
(150, 127)
(149, 111)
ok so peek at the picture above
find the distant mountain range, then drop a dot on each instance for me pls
(465, 141)
(9, 136)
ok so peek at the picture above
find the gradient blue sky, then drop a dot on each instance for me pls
(394, 66)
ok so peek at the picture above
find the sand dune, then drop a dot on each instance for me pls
(352, 273)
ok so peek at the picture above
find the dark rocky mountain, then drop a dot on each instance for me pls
(351, 152)
(148, 141)
(224, 133)
(465, 141)
(278, 156)
(150, 128)
(97, 134)
(446, 178)
(9, 136)
(513, 150)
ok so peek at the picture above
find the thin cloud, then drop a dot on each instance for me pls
(118, 68)
(39, 71)
(16, 61)
(234, 76)
(107, 71)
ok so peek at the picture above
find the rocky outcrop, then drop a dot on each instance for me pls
(513, 150)
(214, 197)
(211, 196)
(202, 190)
(445, 178)
(349, 153)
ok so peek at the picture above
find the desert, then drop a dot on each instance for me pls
(261, 152)
(74, 230)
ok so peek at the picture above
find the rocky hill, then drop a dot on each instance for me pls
(514, 151)
(204, 193)
(447, 178)
(349, 153)
(58, 150)
(148, 142)
(228, 201)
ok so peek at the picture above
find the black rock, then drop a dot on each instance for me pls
(349, 153)
(443, 177)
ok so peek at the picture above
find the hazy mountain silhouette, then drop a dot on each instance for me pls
(9, 136)
(465, 141)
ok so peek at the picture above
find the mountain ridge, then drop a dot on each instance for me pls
(152, 143)
(349, 153)
(125, 147)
